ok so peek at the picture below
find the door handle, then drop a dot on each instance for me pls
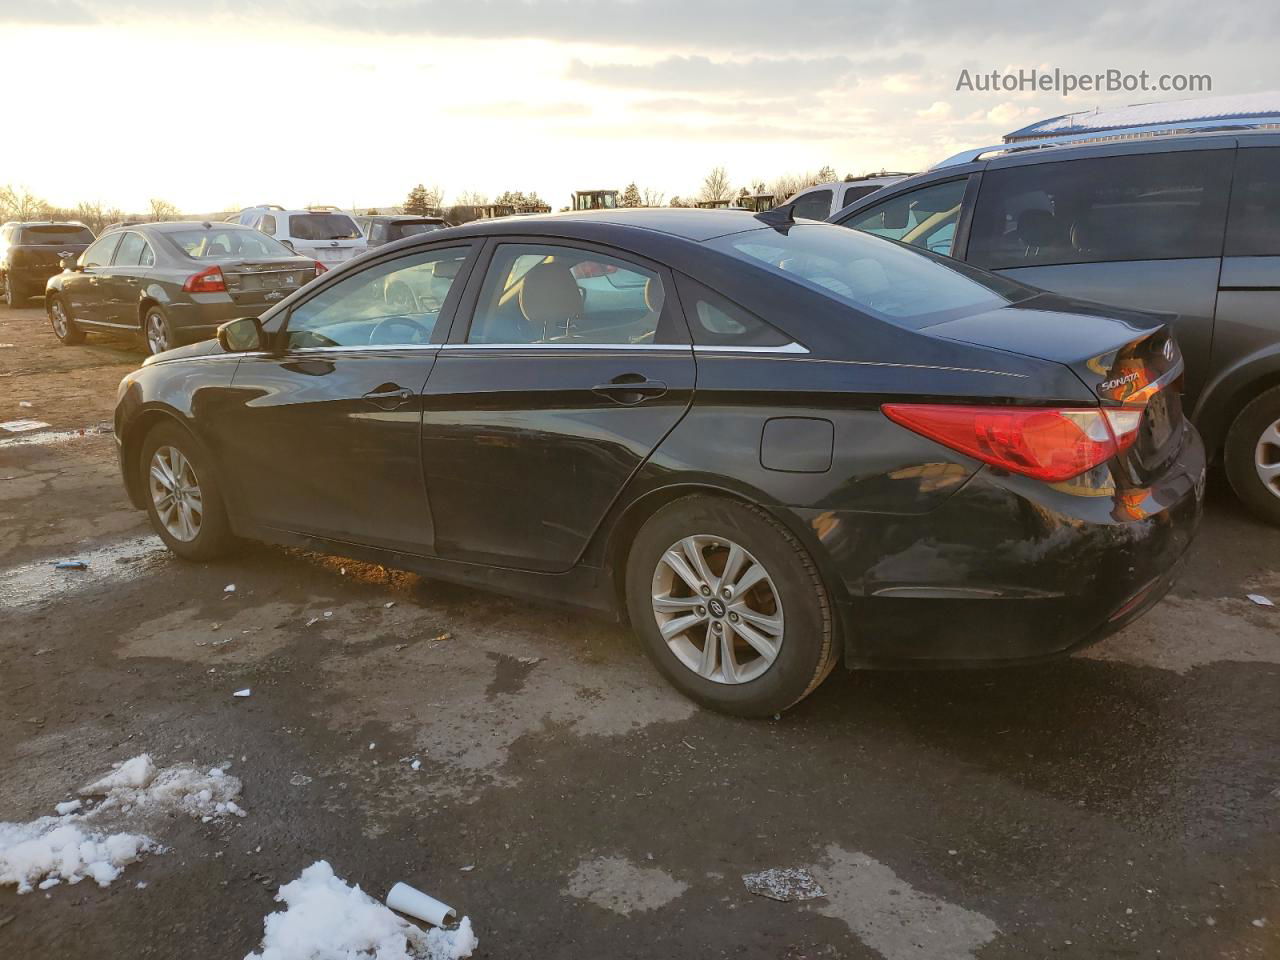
(630, 389)
(388, 396)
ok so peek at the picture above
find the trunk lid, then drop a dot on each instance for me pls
(265, 281)
(1126, 358)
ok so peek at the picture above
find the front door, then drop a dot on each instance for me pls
(322, 435)
(84, 289)
(574, 366)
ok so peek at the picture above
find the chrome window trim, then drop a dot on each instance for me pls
(786, 348)
(363, 348)
(681, 347)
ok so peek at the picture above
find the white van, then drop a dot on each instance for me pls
(325, 234)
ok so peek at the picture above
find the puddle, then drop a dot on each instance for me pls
(48, 437)
(32, 582)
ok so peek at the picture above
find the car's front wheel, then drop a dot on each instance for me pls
(730, 606)
(183, 498)
(157, 331)
(1252, 455)
(64, 328)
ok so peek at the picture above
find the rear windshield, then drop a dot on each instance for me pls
(898, 283)
(227, 243)
(52, 235)
(413, 228)
(323, 226)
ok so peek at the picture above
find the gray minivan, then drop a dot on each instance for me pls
(1187, 224)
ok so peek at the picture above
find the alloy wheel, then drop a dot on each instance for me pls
(175, 492)
(718, 609)
(1266, 458)
(157, 333)
(58, 314)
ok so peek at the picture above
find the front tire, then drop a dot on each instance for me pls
(730, 606)
(157, 331)
(184, 500)
(64, 328)
(1252, 455)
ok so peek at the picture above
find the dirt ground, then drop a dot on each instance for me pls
(1123, 803)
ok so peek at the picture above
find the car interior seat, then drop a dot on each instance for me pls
(550, 301)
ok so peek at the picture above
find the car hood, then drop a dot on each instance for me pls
(1113, 351)
(203, 348)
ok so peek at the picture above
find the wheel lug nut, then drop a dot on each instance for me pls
(726, 593)
(702, 611)
(733, 617)
(706, 591)
(716, 626)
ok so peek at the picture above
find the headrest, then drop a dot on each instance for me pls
(215, 250)
(447, 269)
(1036, 227)
(548, 294)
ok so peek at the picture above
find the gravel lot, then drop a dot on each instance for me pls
(1124, 803)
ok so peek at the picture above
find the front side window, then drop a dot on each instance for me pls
(814, 206)
(1158, 206)
(223, 243)
(1254, 226)
(907, 287)
(323, 226)
(924, 218)
(392, 303)
(129, 253)
(99, 253)
(555, 294)
(268, 225)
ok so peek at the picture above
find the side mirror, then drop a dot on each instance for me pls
(239, 336)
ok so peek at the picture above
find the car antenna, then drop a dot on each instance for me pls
(780, 218)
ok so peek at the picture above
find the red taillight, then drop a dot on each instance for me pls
(1048, 443)
(208, 280)
(320, 268)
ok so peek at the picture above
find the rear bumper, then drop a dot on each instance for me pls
(1009, 569)
(200, 321)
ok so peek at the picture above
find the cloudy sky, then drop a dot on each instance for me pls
(217, 104)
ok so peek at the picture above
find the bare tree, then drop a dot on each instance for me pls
(472, 198)
(163, 210)
(20, 204)
(716, 185)
(654, 198)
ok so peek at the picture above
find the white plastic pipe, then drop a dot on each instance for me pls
(415, 903)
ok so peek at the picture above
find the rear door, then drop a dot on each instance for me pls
(574, 364)
(121, 283)
(1133, 229)
(1249, 290)
(321, 437)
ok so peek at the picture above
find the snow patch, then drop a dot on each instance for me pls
(50, 850)
(325, 919)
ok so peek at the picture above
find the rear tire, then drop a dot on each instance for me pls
(1252, 455)
(184, 499)
(770, 615)
(64, 328)
(14, 294)
(157, 331)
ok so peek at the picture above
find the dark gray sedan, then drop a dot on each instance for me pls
(172, 283)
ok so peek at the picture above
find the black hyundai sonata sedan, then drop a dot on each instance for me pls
(769, 445)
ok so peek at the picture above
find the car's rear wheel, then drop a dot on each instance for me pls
(157, 331)
(1252, 455)
(183, 498)
(14, 294)
(730, 606)
(64, 328)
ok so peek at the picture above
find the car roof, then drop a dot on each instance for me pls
(401, 216)
(687, 223)
(45, 223)
(172, 226)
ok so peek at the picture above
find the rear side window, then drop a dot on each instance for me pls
(856, 193)
(1160, 206)
(926, 217)
(717, 321)
(814, 206)
(1254, 227)
(323, 226)
(268, 225)
(129, 253)
(877, 277)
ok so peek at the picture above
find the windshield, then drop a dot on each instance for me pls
(227, 243)
(323, 226)
(894, 282)
(54, 234)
